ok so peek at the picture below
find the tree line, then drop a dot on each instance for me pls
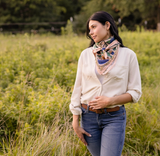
(125, 12)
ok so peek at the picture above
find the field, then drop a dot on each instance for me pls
(37, 74)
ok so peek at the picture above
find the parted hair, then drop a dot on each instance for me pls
(103, 17)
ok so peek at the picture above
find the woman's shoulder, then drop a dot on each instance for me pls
(86, 51)
(127, 51)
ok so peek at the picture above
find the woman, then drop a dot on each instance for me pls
(107, 78)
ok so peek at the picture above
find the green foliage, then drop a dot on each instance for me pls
(36, 79)
(130, 12)
(68, 30)
(72, 7)
(142, 133)
(37, 12)
(143, 124)
(29, 11)
(123, 28)
(148, 53)
(58, 140)
(125, 8)
(37, 75)
(90, 7)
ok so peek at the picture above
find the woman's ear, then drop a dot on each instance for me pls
(107, 24)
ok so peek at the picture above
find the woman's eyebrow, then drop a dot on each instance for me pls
(91, 25)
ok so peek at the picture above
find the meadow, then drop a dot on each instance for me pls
(37, 74)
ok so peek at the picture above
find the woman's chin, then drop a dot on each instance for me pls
(96, 41)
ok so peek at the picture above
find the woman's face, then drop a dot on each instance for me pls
(98, 31)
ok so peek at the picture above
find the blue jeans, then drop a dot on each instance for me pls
(107, 131)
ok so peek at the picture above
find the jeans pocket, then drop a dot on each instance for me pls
(120, 112)
(84, 111)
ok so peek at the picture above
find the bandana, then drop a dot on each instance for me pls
(105, 53)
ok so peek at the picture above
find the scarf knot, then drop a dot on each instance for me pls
(105, 53)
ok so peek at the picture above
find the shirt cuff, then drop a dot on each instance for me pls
(75, 110)
(135, 95)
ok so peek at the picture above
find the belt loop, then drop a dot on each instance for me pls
(87, 108)
(105, 110)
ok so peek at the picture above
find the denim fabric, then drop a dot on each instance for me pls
(107, 130)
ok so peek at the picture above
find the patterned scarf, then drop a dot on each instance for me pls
(106, 53)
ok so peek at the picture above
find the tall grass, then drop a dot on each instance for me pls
(57, 139)
(36, 81)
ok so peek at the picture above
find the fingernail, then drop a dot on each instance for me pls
(89, 135)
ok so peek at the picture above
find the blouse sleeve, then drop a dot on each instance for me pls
(134, 79)
(75, 105)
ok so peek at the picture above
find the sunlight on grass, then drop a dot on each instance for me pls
(37, 74)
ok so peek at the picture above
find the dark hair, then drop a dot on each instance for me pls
(103, 17)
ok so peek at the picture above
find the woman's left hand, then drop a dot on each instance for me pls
(100, 102)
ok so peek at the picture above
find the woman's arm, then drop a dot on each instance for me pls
(134, 79)
(121, 99)
(103, 101)
(79, 130)
(75, 105)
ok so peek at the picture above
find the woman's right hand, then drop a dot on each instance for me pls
(79, 130)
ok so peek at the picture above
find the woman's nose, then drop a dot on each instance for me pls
(90, 32)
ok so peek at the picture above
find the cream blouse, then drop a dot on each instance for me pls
(124, 77)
